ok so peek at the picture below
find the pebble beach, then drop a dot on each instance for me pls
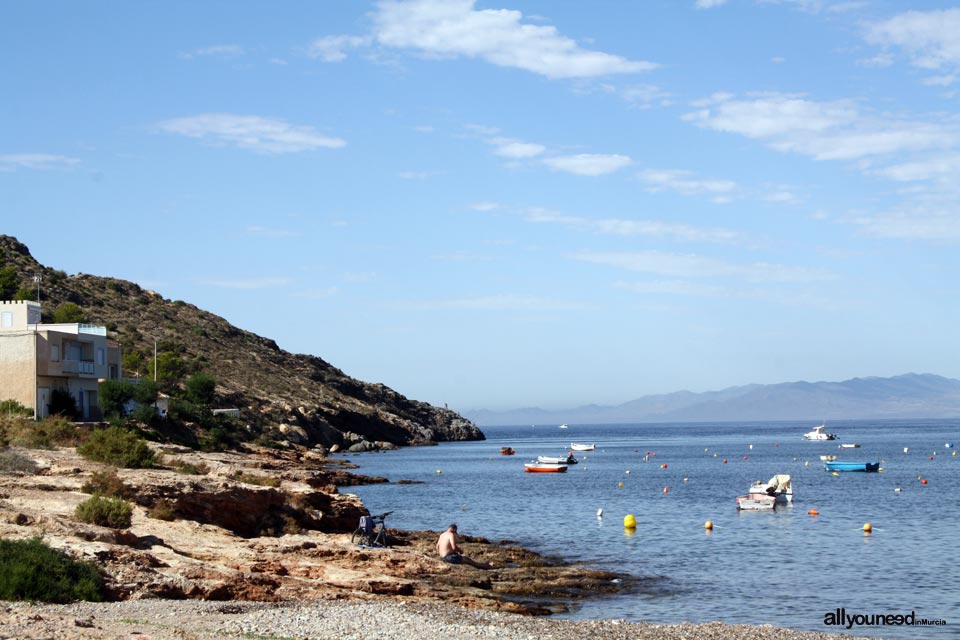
(338, 620)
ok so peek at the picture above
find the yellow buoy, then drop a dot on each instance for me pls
(439, 472)
(867, 528)
(836, 474)
(708, 525)
(629, 522)
(620, 485)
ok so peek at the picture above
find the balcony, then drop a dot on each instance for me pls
(82, 367)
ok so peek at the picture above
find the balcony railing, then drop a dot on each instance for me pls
(83, 367)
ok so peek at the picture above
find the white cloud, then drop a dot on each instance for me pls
(502, 302)
(333, 48)
(264, 232)
(674, 287)
(452, 28)
(417, 175)
(516, 149)
(588, 164)
(674, 265)
(645, 96)
(215, 51)
(824, 130)
(622, 227)
(931, 38)
(677, 180)
(316, 294)
(265, 135)
(484, 206)
(920, 223)
(939, 81)
(933, 167)
(245, 283)
(709, 4)
(35, 161)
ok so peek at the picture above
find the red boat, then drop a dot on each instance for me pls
(541, 467)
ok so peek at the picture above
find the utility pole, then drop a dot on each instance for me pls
(38, 279)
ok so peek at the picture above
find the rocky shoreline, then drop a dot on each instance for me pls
(257, 544)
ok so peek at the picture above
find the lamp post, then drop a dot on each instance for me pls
(38, 279)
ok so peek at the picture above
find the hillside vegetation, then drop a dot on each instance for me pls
(301, 398)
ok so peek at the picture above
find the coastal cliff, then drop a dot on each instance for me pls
(301, 398)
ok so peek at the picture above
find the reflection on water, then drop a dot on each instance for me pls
(786, 567)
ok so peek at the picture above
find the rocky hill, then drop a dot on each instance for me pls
(309, 400)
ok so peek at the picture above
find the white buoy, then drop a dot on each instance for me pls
(599, 513)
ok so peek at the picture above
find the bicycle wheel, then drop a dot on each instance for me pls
(381, 540)
(360, 537)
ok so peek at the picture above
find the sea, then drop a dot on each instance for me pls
(807, 566)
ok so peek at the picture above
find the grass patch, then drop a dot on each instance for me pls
(118, 447)
(48, 433)
(12, 462)
(115, 513)
(252, 478)
(108, 484)
(162, 509)
(190, 468)
(31, 570)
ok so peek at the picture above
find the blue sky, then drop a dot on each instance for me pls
(506, 203)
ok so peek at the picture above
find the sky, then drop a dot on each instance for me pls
(508, 203)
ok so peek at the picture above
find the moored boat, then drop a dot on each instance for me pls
(778, 487)
(849, 445)
(827, 458)
(507, 451)
(582, 447)
(819, 433)
(568, 459)
(841, 465)
(756, 502)
(541, 467)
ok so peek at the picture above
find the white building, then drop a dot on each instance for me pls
(36, 358)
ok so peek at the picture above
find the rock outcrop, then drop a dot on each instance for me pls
(267, 526)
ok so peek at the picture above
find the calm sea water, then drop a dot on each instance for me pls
(785, 568)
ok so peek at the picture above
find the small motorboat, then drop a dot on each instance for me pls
(778, 487)
(507, 451)
(569, 459)
(849, 445)
(827, 458)
(563, 426)
(819, 433)
(756, 502)
(839, 465)
(582, 447)
(542, 467)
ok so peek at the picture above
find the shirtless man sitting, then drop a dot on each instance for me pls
(451, 552)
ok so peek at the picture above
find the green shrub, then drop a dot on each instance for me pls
(114, 395)
(107, 483)
(62, 403)
(190, 468)
(119, 447)
(31, 570)
(43, 434)
(14, 408)
(69, 313)
(106, 512)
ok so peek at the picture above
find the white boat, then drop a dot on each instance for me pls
(569, 459)
(582, 447)
(827, 458)
(819, 433)
(563, 426)
(778, 487)
(755, 502)
(849, 445)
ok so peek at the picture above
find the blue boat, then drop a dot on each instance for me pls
(838, 465)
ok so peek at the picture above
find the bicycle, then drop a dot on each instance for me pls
(372, 531)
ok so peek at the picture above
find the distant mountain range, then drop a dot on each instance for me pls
(907, 396)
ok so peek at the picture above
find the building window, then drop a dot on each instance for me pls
(6, 319)
(54, 353)
(101, 356)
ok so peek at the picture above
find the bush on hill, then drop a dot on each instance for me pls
(31, 570)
